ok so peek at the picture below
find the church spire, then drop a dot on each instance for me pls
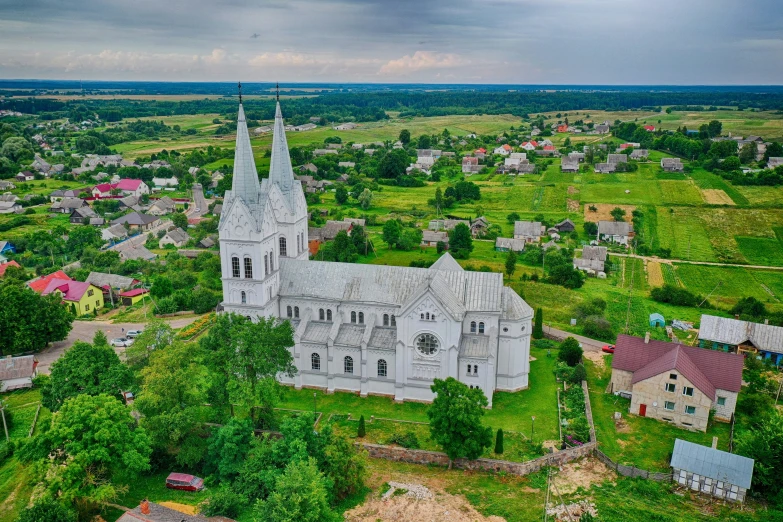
(245, 184)
(280, 171)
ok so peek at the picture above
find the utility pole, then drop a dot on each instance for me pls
(5, 426)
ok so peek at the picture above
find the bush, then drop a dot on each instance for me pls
(406, 440)
(570, 352)
(223, 502)
(204, 301)
(167, 305)
(598, 328)
(578, 375)
(48, 510)
(6, 451)
(499, 442)
(674, 295)
(362, 431)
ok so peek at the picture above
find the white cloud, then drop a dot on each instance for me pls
(422, 60)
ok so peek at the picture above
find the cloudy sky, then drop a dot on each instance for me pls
(441, 41)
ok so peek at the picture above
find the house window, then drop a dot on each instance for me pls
(266, 265)
(393, 320)
(86, 307)
(687, 390)
(90, 292)
(690, 410)
(427, 344)
(283, 247)
(321, 315)
(381, 368)
(353, 317)
(481, 328)
(235, 267)
(361, 317)
(348, 365)
(473, 327)
(721, 401)
(385, 319)
(296, 312)
(289, 312)
(315, 362)
(673, 376)
(243, 296)
(97, 304)
(328, 315)
(670, 387)
(248, 268)
(668, 405)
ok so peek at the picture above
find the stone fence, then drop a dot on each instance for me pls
(631, 471)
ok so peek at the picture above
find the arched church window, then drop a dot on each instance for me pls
(248, 268)
(393, 320)
(473, 327)
(348, 364)
(321, 315)
(283, 247)
(243, 296)
(289, 312)
(271, 261)
(427, 315)
(481, 328)
(427, 344)
(235, 267)
(361, 317)
(353, 317)
(470, 367)
(422, 316)
(266, 264)
(296, 312)
(381, 368)
(328, 315)
(315, 362)
(385, 319)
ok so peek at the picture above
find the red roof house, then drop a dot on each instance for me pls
(102, 190)
(5, 267)
(481, 150)
(562, 128)
(40, 284)
(549, 147)
(649, 128)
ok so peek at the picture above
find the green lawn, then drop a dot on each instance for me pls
(761, 250)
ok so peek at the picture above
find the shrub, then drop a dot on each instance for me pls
(570, 352)
(674, 295)
(167, 305)
(47, 509)
(6, 450)
(362, 430)
(579, 374)
(499, 442)
(223, 502)
(598, 328)
(204, 301)
(406, 440)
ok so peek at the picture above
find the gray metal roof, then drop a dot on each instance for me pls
(101, 279)
(474, 346)
(527, 228)
(16, 367)
(592, 264)
(712, 463)
(317, 332)
(594, 253)
(733, 331)
(350, 334)
(517, 245)
(446, 262)
(394, 285)
(383, 337)
(614, 228)
(514, 307)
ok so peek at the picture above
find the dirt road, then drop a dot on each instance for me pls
(85, 331)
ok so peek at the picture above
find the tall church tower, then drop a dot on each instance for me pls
(261, 225)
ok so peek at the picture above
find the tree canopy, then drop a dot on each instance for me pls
(30, 321)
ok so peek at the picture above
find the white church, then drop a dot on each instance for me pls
(371, 329)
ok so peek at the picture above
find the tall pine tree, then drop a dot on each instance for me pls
(538, 328)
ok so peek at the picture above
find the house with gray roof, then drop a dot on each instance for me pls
(712, 471)
(639, 154)
(162, 206)
(115, 281)
(774, 162)
(431, 238)
(176, 237)
(592, 260)
(605, 168)
(114, 233)
(672, 165)
(615, 232)
(505, 244)
(617, 158)
(569, 164)
(17, 373)
(362, 328)
(735, 335)
(530, 231)
(66, 205)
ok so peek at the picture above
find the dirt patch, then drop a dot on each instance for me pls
(596, 358)
(440, 507)
(716, 197)
(182, 508)
(603, 212)
(621, 426)
(582, 474)
(572, 205)
(553, 444)
(573, 190)
(654, 273)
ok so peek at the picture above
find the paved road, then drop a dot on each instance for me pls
(708, 263)
(588, 345)
(85, 331)
(200, 206)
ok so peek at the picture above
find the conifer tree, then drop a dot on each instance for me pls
(362, 431)
(538, 328)
(499, 442)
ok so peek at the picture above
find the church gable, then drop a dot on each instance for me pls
(426, 306)
(279, 204)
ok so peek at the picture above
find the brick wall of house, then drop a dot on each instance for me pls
(652, 393)
(727, 410)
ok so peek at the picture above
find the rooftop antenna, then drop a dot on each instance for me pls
(239, 86)
(277, 90)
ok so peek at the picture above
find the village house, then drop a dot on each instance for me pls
(132, 187)
(712, 471)
(323, 152)
(137, 221)
(5, 265)
(579, 156)
(503, 150)
(605, 168)
(565, 226)
(617, 158)
(529, 145)
(106, 281)
(25, 176)
(59, 195)
(166, 182)
(162, 206)
(592, 260)
(114, 233)
(346, 164)
(446, 224)
(601, 129)
(128, 252)
(774, 162)
(17, 373)
(6, 185)
(529, 231)
(470, 165)
(527, 168)
(346, 126)
(176, 237)
(10, 207)
(745, 337)
(479, 226)
(672, 164)
(639, 154)
(569, 164)
(676, 383)
(330, 230)
(615, 232)
(83, 298)
(83, 215)
(649, 128)
(207, 242)
(131, 297)
(504, 244)
(431, 238)
(130, 203)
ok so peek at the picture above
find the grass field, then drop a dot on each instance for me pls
(681, 230)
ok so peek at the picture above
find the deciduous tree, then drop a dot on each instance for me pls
(391, 232)
(30, 321)
(570, 352)
(461, 241)
(300, 494)
(511, 263)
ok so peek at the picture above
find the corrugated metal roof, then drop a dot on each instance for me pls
(446, 262)
(527, 228)
(712, 463)
(678, 360)
(114, 280)
(474, 346)
(733, 331)
(316, 332)
(514, 307)
(614, 228)
(383, 337)
(350, 334)
(594, 253)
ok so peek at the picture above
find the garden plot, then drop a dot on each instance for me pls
(716, 197)
(604, 212)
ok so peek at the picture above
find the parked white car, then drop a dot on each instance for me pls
(132, 334)
(121, 342)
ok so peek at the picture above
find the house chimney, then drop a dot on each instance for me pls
(714, 442)
(145, 507)
(647, 338)
(736, 316)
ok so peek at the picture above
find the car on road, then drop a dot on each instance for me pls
(132, 334)
(184, 482)
(608, 348)
(121, 342)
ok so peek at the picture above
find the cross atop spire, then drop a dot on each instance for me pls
(277, 89)
(239, 87)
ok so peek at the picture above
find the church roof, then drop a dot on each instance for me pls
(474, 346)
(394, 285)
(514, 307)
(350, 334)
(446, 262)
(245, 183)
(280, 169)
(383, 337)
(317, 332)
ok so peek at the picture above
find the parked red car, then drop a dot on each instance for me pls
(608, 348)
(184, 482)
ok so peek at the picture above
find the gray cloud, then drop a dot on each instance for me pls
(486, 41)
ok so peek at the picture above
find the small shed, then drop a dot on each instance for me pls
(711, 471)
(131, 297)
(657, 319)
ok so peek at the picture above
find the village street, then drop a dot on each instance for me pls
(85, 331)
